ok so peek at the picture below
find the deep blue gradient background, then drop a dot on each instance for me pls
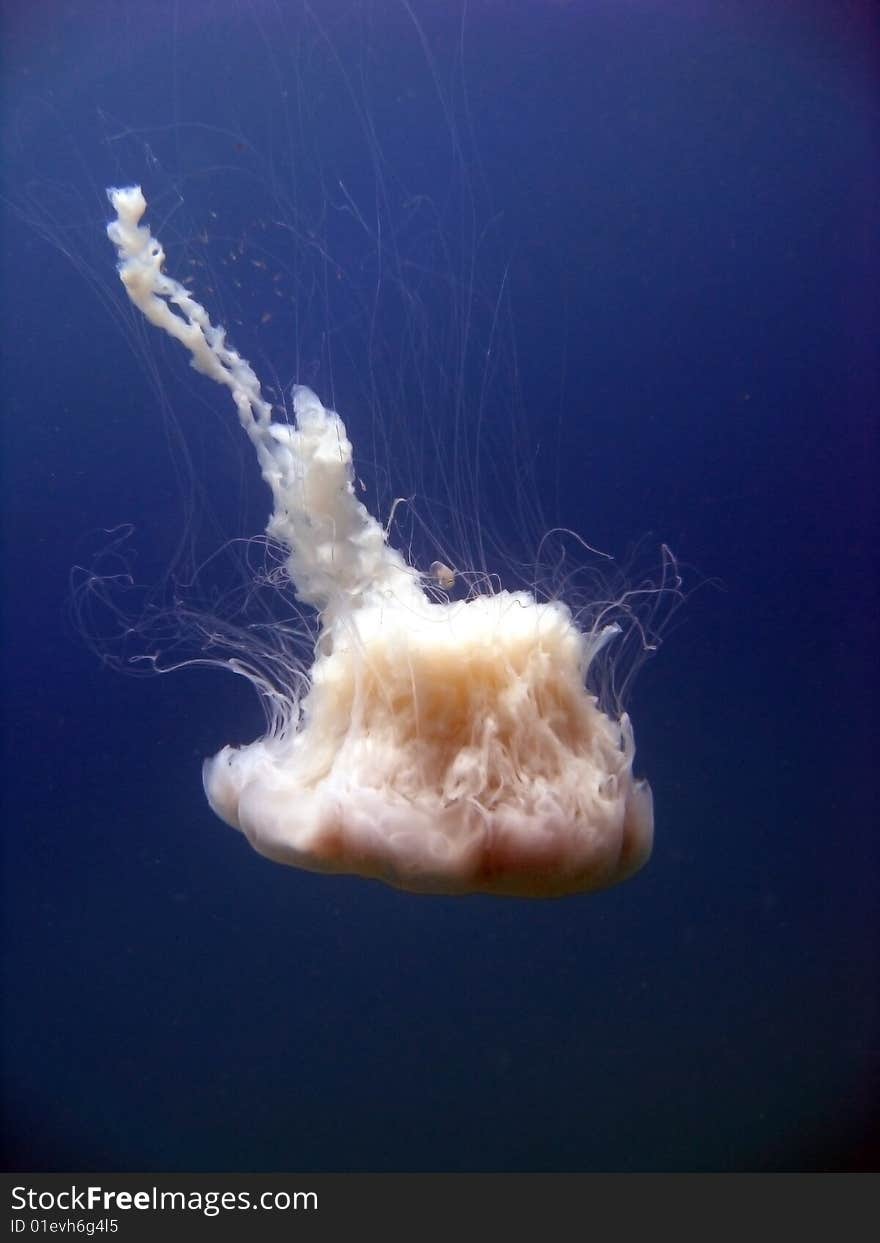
(687, 198)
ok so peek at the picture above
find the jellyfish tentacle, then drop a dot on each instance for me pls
(338, 550)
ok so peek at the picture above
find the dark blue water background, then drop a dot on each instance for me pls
(679, 203)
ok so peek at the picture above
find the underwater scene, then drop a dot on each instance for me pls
(440, 586)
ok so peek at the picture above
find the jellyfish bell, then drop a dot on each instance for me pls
(447, 748)
(444, 746)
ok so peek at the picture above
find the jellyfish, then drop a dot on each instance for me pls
(439, 745)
